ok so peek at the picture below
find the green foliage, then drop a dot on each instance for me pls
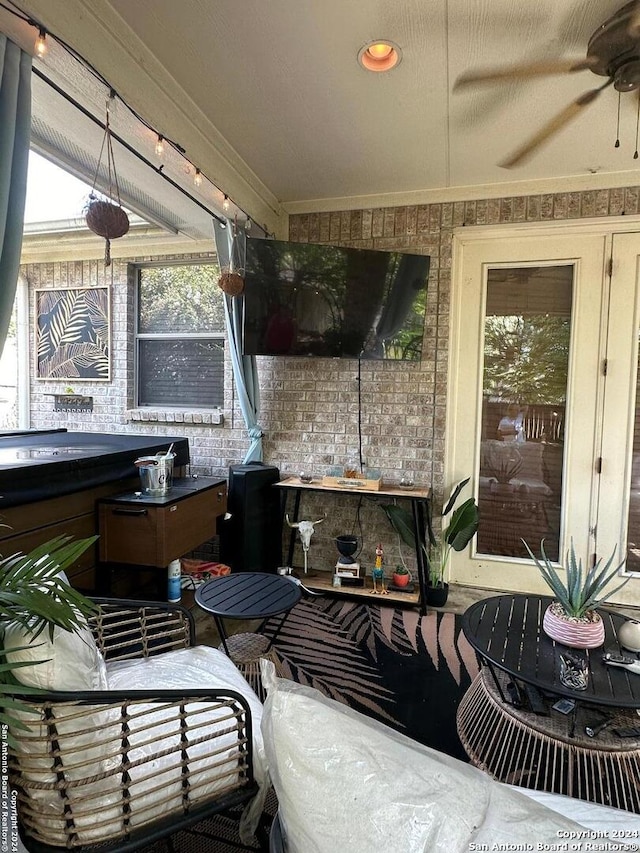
(33, 595)
(401, 570)
(579, 592)
(456, 535)
(181, 298)
(526, 358)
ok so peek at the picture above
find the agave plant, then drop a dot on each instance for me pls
(579, 592)
(33, 594)
(456, 535)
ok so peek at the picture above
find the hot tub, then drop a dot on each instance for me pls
(51, 463)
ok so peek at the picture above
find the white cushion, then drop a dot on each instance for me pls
(613, 823)
(199, 668)
(70, 661)
(73, 665)
(346, 782)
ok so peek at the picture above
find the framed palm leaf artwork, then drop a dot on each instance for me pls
(73, 334)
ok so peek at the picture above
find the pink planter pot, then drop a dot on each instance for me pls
(576, 635)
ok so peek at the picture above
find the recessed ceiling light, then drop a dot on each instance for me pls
(379, 55)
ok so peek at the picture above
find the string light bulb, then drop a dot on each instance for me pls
(41, 42)
(197, 178)
(160, 145)
(248, 224)
(225, 203)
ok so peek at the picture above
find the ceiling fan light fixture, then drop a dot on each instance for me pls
(627, 76)
(379, 55)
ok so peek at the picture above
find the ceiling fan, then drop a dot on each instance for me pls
(613, 52)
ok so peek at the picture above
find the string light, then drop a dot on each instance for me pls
(41, 42)
(40, 48)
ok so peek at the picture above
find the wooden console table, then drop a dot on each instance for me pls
(418, 498)
(151, 531)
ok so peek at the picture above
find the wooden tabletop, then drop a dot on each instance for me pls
(506, 630)
(387, 490)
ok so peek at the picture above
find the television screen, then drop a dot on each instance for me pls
(317, 300)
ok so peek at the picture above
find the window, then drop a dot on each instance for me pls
(180, 337)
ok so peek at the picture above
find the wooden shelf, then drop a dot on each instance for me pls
(387, 490)
(322, 582)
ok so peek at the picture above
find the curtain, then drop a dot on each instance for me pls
(231, 249)
(15, 133)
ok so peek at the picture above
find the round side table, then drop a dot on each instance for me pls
(540, 752)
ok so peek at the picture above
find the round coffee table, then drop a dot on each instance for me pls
(548, 750)
(249, 595)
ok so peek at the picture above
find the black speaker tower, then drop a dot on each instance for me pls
(251, 539)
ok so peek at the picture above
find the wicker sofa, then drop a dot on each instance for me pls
(138, 734)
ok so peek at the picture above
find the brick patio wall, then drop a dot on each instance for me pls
(310, 406)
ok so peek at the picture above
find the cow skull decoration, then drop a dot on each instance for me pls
(305, 529)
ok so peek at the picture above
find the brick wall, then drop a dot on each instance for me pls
(310, 406)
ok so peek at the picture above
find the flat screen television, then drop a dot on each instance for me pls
(317, 300)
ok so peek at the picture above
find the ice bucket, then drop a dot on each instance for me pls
(156, 473)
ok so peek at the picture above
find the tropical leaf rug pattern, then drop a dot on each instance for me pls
(406, 670)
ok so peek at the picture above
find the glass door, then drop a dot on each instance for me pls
(526, 385)
(525, 355)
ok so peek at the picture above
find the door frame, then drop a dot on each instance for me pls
(601, 229)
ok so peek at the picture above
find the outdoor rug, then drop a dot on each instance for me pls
(406, 670)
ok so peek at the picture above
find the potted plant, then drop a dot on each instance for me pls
(460, 527)
(572, 619)
(34, 594)
(401, 576)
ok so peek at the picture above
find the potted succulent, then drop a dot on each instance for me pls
(34, 594)
(401, 576)
(572, 619)
(459, 525)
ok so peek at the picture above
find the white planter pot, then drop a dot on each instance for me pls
(575, 635)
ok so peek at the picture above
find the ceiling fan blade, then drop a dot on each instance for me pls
(550, 128)
(530, 69)
(633, 27)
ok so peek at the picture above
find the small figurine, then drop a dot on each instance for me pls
(378, 573)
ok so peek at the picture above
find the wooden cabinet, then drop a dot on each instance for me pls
(152, 531)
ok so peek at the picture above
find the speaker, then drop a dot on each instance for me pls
(251, 538)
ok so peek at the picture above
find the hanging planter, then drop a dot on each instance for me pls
(107, 220)
(231, 279)
(104, 217)
(231, 283)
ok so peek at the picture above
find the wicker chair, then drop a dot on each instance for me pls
(115, 770)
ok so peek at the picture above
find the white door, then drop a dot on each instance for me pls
(526, 389)
(618, 522)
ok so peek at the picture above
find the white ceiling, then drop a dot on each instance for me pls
(268, 100)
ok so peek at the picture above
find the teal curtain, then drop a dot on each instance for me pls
(231, 247)
(15, 133)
